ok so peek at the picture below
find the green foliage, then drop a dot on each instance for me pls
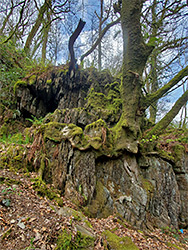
(14, 66)
(11, 69)
(18, 138)
(35, 121)
(68, 241)
(147, 140)
(31, 246)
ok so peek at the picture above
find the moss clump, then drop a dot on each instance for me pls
(41, 188)
(99, 136)
(57, 132)
(166, 154)
(96, 135)
(178, 151)
(96, 99)
(68, 241)
(18, 84)
(99, 207)
(107, 105)
(49, 81)
(148, 186)
(32, 79)
(125, 136)
(13, 157)
(117, 243)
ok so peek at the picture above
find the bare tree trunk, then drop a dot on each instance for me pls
(36, 26)
(45, 37)
(20, 18)
(7, 18)
(100, 30)
(72, 39)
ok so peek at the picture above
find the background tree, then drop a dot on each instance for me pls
(163, 24)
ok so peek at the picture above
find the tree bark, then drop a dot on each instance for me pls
(154, 80)
(135, 55)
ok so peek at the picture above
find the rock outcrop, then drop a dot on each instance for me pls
(75, 152)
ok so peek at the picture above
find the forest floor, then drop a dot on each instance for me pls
(28, 221)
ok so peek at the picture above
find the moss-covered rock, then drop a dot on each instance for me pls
(119, 243)
(14, 157)
(67, 240)
(99, 206)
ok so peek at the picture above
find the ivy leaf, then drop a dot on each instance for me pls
(6, 202)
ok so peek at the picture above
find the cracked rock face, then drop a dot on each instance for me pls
(148, 197)
(147, 192)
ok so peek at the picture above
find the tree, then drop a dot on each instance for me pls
(135, 55)
(164, 24)
(30, 22)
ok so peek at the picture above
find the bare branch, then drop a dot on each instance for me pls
(108, 26)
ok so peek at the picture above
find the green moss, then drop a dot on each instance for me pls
(98, 207)
(88, 223)
(169, 244)
(96, 99)
(42, 166)
(49, 81)
(148, 186)
(166, 154)
(42, 189)
(13, 157)
(125, 136)
(118, 243)
(18, 84)
(96, 135)
(66, 240)
(113, 86)
(32, 79)
(58, 131)
(110, 103)
(178, 151)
